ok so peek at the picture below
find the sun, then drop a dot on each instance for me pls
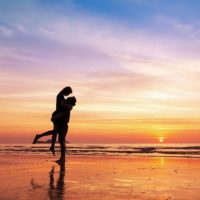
(161, 140)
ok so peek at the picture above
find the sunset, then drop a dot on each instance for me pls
(134, 73)
(133, 67)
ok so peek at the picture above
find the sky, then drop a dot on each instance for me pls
(134, 67)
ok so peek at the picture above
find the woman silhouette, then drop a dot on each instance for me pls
(60, 121)
(59, 118)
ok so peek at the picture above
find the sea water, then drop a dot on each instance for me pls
(165, 150)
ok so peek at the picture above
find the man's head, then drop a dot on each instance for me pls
(66, 91)
(71, 101)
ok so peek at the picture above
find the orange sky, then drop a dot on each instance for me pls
(136, 80)
(99, 118)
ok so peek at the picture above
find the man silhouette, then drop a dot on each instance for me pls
(60, 106)
(61, 125)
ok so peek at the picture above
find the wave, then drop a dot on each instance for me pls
(115, 150)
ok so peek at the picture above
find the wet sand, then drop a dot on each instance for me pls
(27, 177)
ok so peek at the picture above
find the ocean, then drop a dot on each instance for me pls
(151, 150)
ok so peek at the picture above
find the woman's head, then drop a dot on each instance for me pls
(71, 101)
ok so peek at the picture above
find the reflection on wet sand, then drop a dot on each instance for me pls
(57, 190)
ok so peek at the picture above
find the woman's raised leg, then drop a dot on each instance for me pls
(38, 136)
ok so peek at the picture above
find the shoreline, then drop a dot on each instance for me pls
(99, 155)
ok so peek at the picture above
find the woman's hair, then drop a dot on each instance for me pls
(71, 101)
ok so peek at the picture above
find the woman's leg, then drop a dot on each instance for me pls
(38, 136)
(53, 141)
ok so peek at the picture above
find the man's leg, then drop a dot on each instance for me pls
(62, 146)
(62, 134)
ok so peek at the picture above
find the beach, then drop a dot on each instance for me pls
(35, 176)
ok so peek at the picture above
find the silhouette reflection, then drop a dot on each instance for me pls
(57, 190)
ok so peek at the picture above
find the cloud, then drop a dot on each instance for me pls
(116, 70)
(5, 31)
(88, 45)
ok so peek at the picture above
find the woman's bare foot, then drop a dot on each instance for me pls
(52, 150)
(35, 139)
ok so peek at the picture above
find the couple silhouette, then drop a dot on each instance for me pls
(60, 119)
